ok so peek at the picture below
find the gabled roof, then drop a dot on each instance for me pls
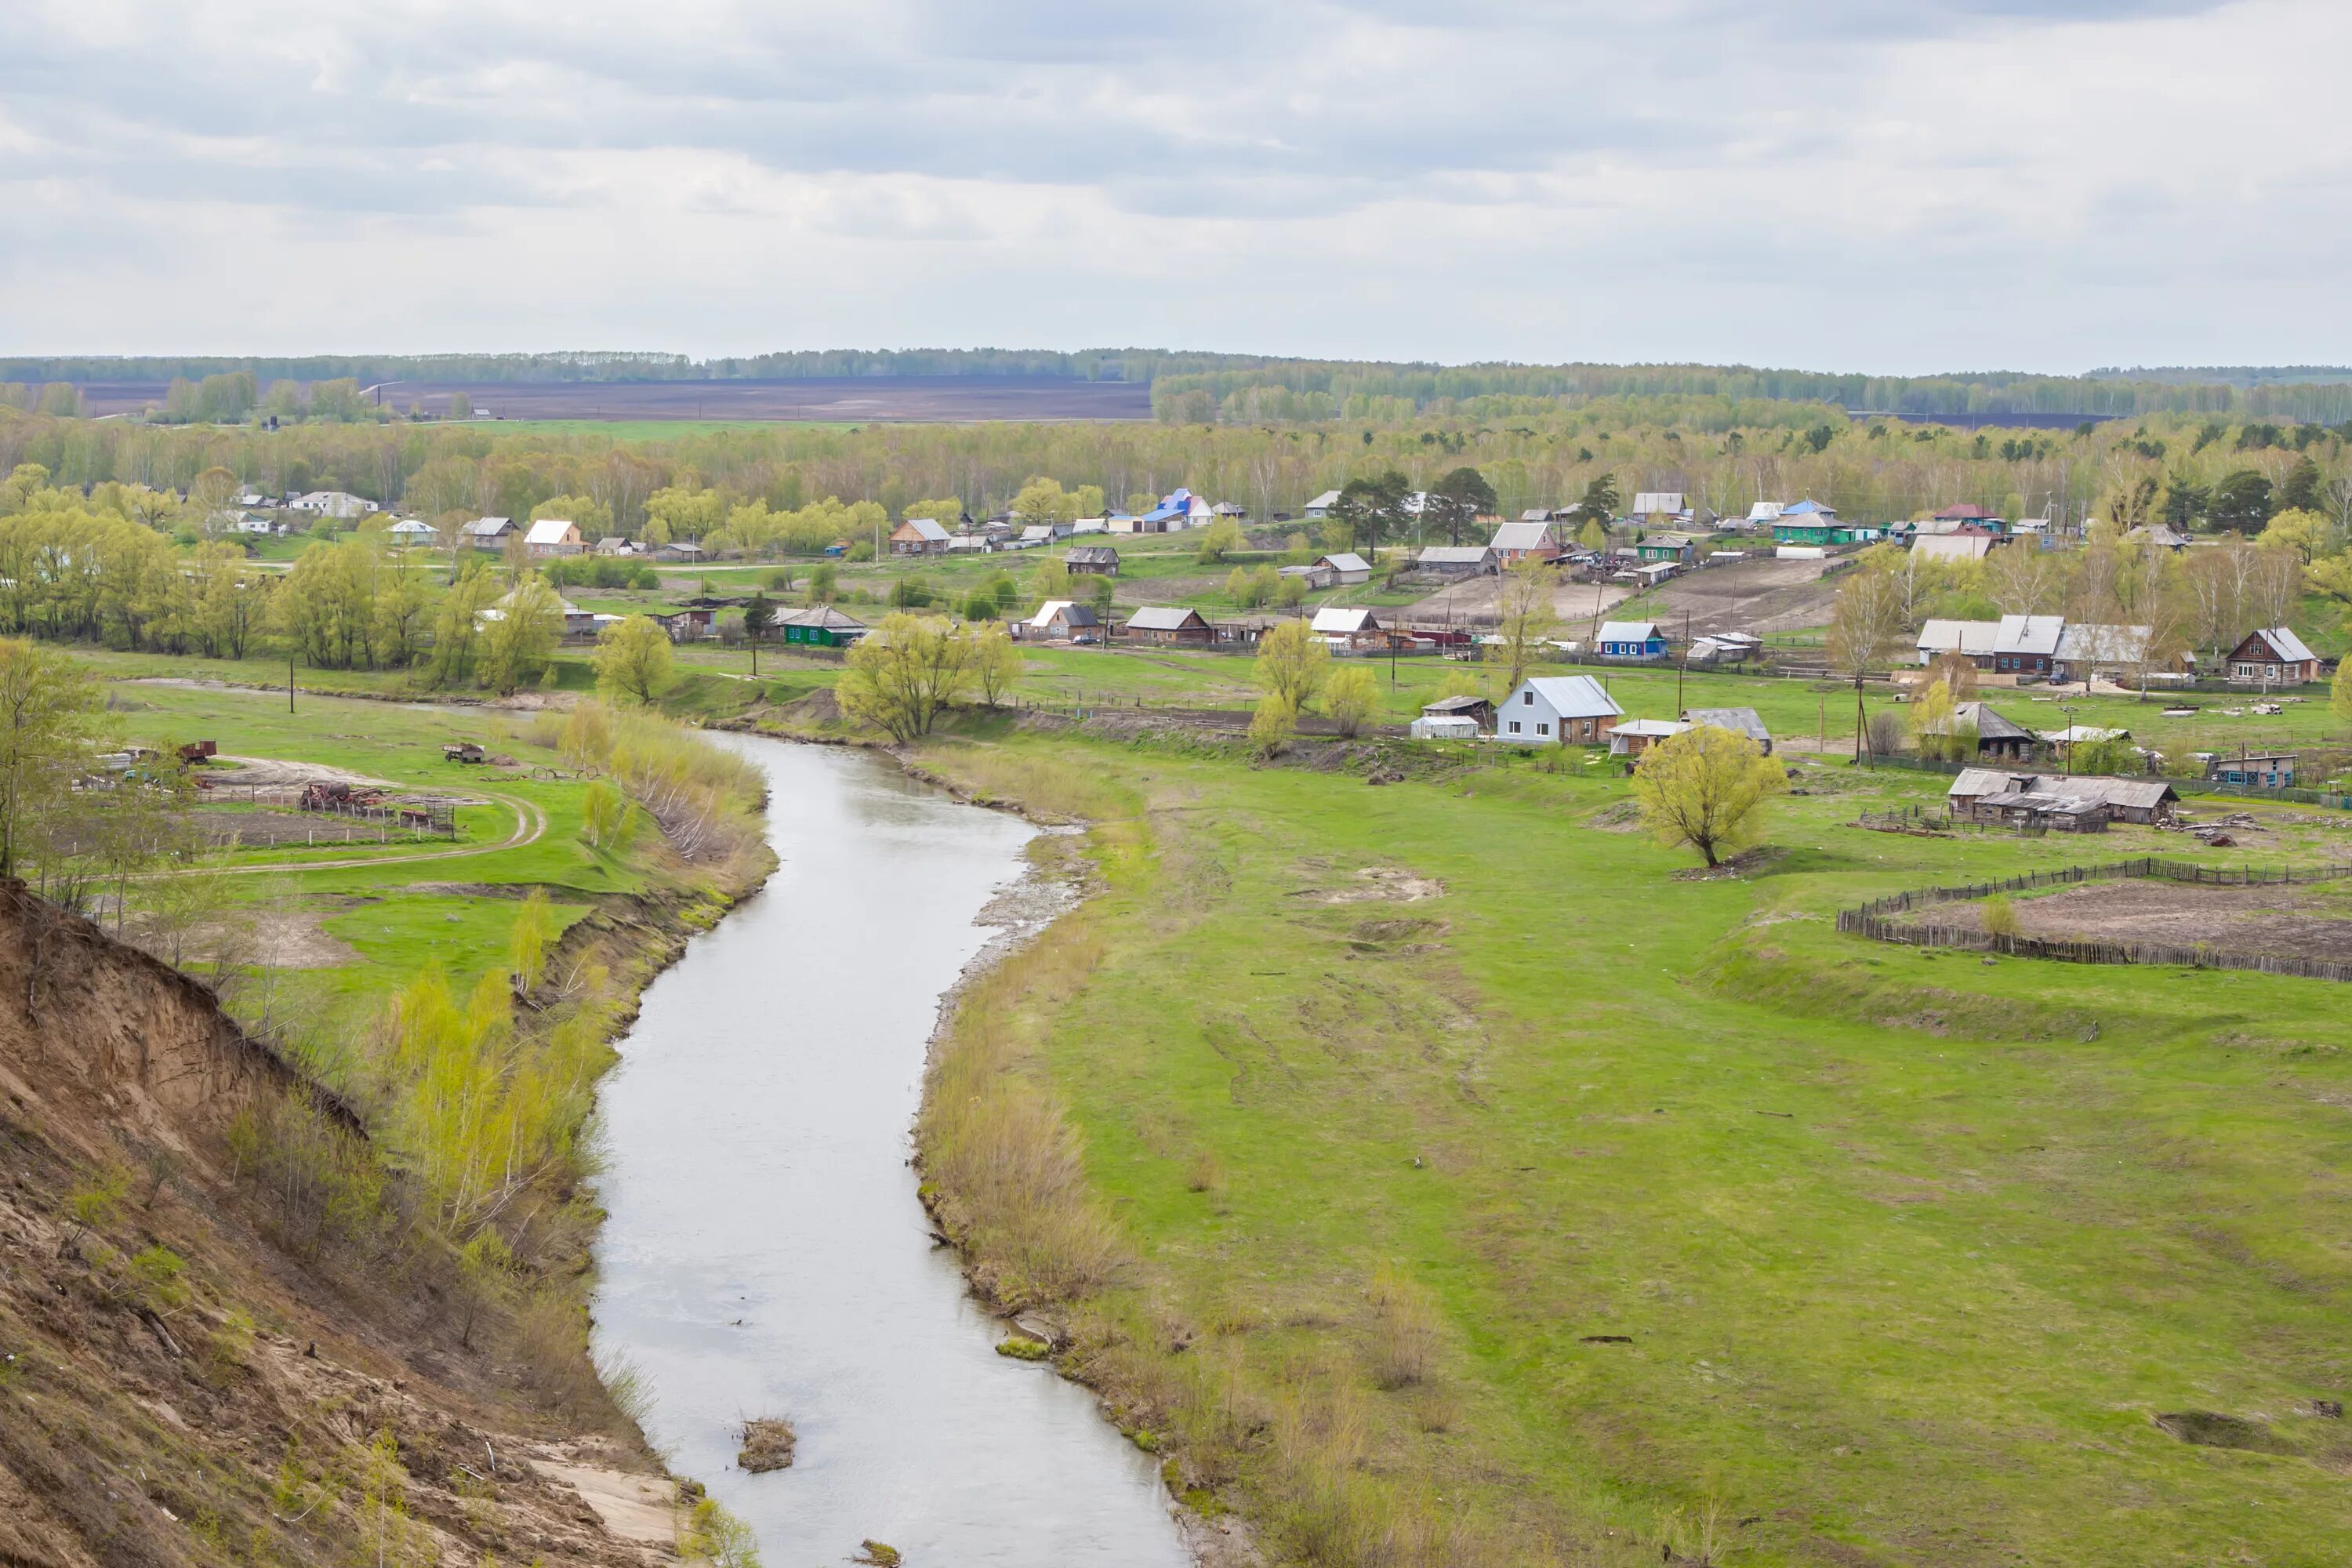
(1327, 499)
(1966, 511)
(1163, 619)
(488, 527)
(1741, 720)
(2285, 643)
(824, 616)
(1989, 724)
(1575, 696)
(1629, 631)
(1346, 561)
(2138, 794)
(1521, 536)
(1094, 555)
(1455, 554)
(1333, 621)
(1952, 546)
(926, 529)
(2029, 633)
(1808, 510)
(1068, 611)
(549, 531)
(1970, 637)
(1651, 501)
(1655, 729)
(1536, 515)
(2081, 643)
(1468, 704)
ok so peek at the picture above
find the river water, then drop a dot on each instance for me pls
(764, 1252)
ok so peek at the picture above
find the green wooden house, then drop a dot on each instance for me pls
(823, 627)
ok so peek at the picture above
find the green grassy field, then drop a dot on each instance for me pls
(1906, 1248)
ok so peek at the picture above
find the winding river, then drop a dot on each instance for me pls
(764, 1252)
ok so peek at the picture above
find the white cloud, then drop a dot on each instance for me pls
(1951, 183)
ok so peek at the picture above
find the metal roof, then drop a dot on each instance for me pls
(1332, 620)
(1575, 696)
(1456, 554)
(927, 530)
(549, 531)
(1347, 561)
(1971, 637)
(2287, 645)
(1629, 631)
(1521, 536)
(1162, 618)
(2029, 633)
(1743, 720)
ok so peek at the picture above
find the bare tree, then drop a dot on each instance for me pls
(1865, 627)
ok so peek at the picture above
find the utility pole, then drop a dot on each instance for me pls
(290, 680)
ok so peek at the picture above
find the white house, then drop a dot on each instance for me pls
(553, 536)
(339, 504)
(1357, 629)
(1321, 505)
(1557, 710)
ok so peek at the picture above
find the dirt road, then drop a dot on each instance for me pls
(1758, 596)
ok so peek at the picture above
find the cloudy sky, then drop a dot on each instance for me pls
(1899, 185)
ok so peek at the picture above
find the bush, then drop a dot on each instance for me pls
(2001, 917)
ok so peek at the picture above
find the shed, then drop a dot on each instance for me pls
(488, 532)
(1458, 561)
(1477, 709)
(1740, 720)
(1634, 736)
(1347, 568)
(1444, 727)
(1092, 561)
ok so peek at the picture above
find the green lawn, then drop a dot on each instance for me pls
(1909, 1247)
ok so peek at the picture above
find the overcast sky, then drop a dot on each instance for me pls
(1897, 186)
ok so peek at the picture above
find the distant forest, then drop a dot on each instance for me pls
(1215, 388)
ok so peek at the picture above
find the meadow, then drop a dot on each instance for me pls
(1489, 1192)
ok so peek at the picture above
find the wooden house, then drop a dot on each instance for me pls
(1168, 624)
(1092, 561)
(1357, 628)
(1631, 642)
(1347, 568)
(2271, 657)
(820, 627)
(1739, 720)
(2264, 770)
(919, 536)
(1477, 709)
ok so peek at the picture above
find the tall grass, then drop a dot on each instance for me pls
(1325, 1462)
(707, 799)
(1049, 787)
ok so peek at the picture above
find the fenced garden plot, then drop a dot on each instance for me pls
(2234, 926)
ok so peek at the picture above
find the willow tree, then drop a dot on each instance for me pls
(1706, 788)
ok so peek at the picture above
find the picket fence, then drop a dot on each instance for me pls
(1871, 920)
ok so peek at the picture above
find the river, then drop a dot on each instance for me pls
(764, 1252)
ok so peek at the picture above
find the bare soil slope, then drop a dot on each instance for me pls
(175, 1387)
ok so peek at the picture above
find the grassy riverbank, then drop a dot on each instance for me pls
(1427, 1172)
(460, 998)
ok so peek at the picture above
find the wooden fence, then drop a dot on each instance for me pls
(1871, 920)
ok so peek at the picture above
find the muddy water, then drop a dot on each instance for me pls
(765, 1253)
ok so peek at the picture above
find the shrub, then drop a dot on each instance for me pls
(2001, 917)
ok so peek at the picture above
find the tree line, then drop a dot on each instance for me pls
(1724, 455)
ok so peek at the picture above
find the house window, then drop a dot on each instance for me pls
(1514, 726)
(1543, 728)
(1528, 699)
